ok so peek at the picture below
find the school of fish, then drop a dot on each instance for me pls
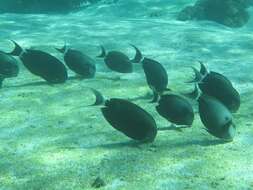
(214, 93)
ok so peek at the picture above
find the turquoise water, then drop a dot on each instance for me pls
(50, 140)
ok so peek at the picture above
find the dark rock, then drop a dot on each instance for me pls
(232, 13)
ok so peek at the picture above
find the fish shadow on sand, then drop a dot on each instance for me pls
(207, 142)
(37, 83)
(167, 144)
(192, 142)
(42, 83)
(78, 77)
(116, 145)
(130, 143)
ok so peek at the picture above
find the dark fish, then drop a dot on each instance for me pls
(118, 61)
(8, 67)
(217, 85)
(78, 62)
(130, 119)
(42, 64)
(216, 118)
(176, 109)
(156, 76)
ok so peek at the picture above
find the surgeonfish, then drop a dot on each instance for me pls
(41, 64)
(118, 61)
(78, 62)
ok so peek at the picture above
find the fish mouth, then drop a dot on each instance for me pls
(229, 131)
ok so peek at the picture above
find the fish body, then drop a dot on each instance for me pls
(119, 62)
(176, 109)
(218, 86)
(42, 64)
(216, 117)
(156, 77)
(79, 62)
(8, 67)
(130, 119)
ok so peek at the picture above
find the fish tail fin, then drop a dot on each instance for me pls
(138, 55)
(100, 100)
(103, 53)
(198, 76)
(17, 49)
(193, 94)
(203, 70)
(63, 49)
